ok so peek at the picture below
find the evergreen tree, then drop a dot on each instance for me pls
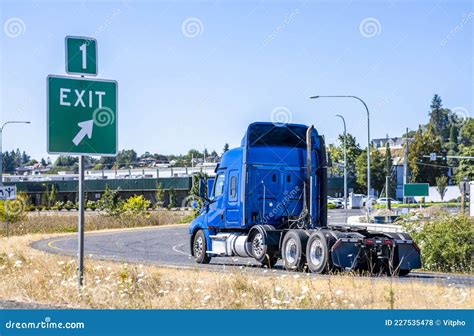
(439, 118)
(226, 148)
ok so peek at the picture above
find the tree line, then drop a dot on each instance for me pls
(126, 158)
(446, 134)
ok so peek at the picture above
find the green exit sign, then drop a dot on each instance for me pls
(81, 55)
(416, 189)
(81, 116)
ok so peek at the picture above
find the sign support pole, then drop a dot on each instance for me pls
(6, 218)
(80, 231)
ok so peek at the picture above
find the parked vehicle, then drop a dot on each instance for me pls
(268, 202)
(384, 200)
(336, 202)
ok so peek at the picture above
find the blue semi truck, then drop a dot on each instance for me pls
(268, 201)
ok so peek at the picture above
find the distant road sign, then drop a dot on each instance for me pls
(8, 193)
(416, 189)
(81, 55)
(82, 116)
(432, 156)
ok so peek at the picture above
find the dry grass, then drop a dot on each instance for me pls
(30, 275)
(65, 221)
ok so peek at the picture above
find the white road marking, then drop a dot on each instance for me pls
(175, 248)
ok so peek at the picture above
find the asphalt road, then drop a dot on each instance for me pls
(169, 246)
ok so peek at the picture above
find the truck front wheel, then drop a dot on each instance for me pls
(200, 248)
(263, 253)
(293, 250)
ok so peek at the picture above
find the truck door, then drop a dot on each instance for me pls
(232, 212)
(215, 214)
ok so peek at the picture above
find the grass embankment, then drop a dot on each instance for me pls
(30, 275)
(63, 221)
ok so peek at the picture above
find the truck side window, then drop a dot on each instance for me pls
(233, 187)
(219, 185)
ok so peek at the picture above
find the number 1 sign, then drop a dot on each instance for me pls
(81, 55)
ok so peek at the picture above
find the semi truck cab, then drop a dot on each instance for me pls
(268, 201)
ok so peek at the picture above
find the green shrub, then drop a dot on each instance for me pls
(110, 203)
(92, 205)
(331, 206)
(69, 206)
(446, 243)
(59, 205)
(17, 209)
(136, 205)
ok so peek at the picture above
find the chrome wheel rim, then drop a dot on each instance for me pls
(198, 246)
(291, 250)
(316, 253)
(258, 246)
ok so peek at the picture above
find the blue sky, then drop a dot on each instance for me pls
(247, 61)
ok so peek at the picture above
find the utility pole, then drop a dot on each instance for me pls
(387, 176)
(368, 137)
(405, 165)
(345, 165)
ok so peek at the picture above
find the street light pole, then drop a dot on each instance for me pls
(1, 149)
(368, 136)
(345, 164)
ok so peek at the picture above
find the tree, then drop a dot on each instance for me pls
(388, 171)
(377, 170)
(337, 155)
(441, 185)
(160, 194)
(110, 202)
(65, 161)
(226, 148)
(25, 158)
(107, 162)
(422, 169)
(173, 198)
(439, 118)
(52, 195)
(125, 158)
(465, 169)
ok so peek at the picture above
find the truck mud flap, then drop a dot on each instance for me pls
(345, 253)
(408, 255)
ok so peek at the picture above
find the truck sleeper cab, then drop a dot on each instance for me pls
(268, 201)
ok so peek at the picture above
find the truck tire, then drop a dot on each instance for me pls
(200, 248)
(293, 248)
(264, 254)
(317, 253)
(403, 272)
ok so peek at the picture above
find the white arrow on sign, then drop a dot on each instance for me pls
(86, 129)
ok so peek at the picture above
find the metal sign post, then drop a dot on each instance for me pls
(80, 223)
(81, 117)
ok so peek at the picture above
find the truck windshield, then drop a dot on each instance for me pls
(271, 135)
(219, 185)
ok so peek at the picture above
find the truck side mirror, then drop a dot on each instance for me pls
(210, 186)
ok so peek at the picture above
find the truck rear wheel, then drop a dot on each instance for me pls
(317, 253)
(200, 248)
(293, 250)
(403, 272)
(262, 252)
